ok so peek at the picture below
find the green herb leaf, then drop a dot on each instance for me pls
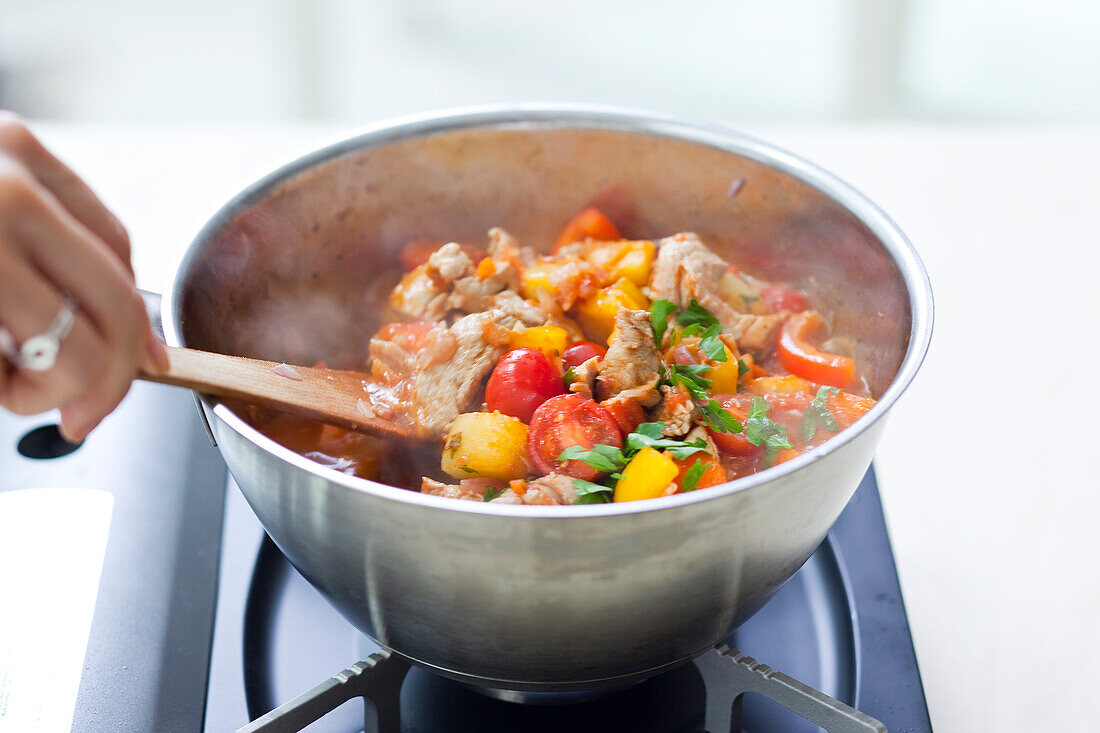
(590, 493)
(691, 478)
(649, 429)
(467, 469)
(600, 456)
(818, 413)
(659, 312)
(712, 345)
(569, 376)
(491, 493)
(762, 430)
(718, 417)
(696, 313)
(678, 448)
(742, 368)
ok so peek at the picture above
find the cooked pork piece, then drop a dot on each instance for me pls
(552, 489)
(632, 359)
(755, 334)
(449, 282)
(471, 489)
(698, 432)
(687, 270)
(675, 411)
(584, 377)
(441, 392)
(509, 303)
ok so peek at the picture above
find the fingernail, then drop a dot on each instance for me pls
(157, 361)
(73, 427)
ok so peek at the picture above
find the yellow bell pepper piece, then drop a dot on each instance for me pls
(647, 476)
(550, 340)
(723, 375)
(596, 313)
(777, 385)
(485, 445)
(632, 260)
(536, 276)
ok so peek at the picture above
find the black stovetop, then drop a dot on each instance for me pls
(839, 625)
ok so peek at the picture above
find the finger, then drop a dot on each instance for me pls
(29, 303)
(75, 195)
(81, 265)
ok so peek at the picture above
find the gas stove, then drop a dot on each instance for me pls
(180, 614)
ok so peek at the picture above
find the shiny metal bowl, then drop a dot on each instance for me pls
(540, 598)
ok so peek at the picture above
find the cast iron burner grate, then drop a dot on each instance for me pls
(839, 625)
(380, 676)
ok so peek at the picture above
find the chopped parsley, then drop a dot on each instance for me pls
(690, 377)
(712, 345)
(609, 459)
(600, 456)
(696, 313)
(762, 430)
(818, 413)
(491, 493)
(590, 493)
(648, 434)
(742, 368)
(659, 312)
(691, 478)
(569, 376)
(467, 469)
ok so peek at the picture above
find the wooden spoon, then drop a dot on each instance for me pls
(335, 397)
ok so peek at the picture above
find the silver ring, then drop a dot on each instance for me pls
(39, 353)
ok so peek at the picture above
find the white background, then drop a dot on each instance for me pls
(974, 123)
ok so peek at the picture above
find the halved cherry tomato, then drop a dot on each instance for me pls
(798, 357)
(780, 297)
(581, 352)
(735, 444)
(588, 224)
(564, 421)
(627, 412)
(521, 381)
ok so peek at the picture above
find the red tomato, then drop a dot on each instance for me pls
(780, 297)
(581, 352)
(588, 224)
(735, 444)
(522, 380)
(569, 420)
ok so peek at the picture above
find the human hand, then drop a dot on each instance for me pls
(57, 239)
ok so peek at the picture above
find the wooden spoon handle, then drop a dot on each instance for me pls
(336, 397)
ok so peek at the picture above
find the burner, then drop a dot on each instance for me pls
(811, 630)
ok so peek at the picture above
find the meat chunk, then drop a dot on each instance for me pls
(584, 377)
(450, 282)
(553, 489)
(755, 334)
(675, 411)
(687, 270)
(628, 408)
(510, 304)
(632, 359)
(442, 391)
(469, 489)
(439, 389)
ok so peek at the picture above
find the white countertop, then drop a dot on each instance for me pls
(992, 511)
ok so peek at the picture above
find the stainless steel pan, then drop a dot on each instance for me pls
(540, 598)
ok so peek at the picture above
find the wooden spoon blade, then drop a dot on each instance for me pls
(346, 399)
